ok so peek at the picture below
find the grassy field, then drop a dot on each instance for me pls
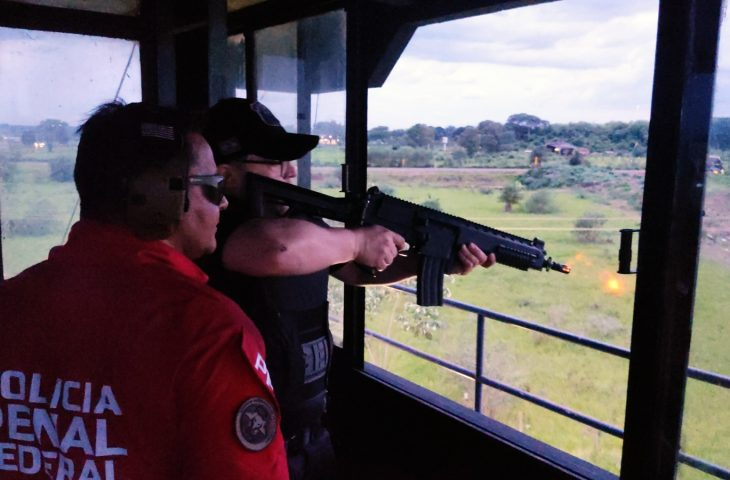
(592, 301)
(575, 377)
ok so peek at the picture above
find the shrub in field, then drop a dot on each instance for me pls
(400, 157)
(541, 202)
(511, 194)
(421, 321)
(586, 228)
(577, 159)
(459, 157)
(62, 169)
(558, 176)
(419, 157)
(432, 203)
(8, 170)
(40, 219)
(380, 156)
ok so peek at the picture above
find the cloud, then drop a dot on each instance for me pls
(63, 76)
(542, 35)
(563, 61)
(568, 60)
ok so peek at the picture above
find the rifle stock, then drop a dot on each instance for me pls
(435, 236)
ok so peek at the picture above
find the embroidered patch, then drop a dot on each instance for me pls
(256, 424)
(165, 132)
(316, 358)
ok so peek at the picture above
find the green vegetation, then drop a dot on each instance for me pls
(328, 156)
(541, 202)
(592, 301)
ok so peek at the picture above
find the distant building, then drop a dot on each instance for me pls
(328, 140)
(564, 148)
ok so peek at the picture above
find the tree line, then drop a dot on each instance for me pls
(520, 131)
(50, 132)
(524, 131)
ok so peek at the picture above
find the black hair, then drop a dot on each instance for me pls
(118, 143)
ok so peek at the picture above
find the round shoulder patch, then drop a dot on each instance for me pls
(256, 424)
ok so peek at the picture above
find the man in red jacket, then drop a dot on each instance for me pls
(117, 361)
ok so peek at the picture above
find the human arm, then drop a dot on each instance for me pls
(470, 256)
(289, 246)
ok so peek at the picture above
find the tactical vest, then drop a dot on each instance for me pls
(292, 315)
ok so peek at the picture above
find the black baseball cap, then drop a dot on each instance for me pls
(237, 127)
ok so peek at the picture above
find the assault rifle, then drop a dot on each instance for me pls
(434, 236)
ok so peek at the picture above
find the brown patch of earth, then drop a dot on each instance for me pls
(716, 227)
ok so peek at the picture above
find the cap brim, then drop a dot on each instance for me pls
(286, 146)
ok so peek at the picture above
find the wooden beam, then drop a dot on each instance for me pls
(66, 20)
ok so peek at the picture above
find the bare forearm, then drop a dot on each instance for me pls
(401, 269)
(470, 256)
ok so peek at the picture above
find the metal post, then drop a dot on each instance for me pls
(304, 102)
(669, 244)
(356, 159)
(479, 368)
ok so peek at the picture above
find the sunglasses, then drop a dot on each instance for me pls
(213, 186)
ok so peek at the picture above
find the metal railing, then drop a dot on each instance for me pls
(479, 379)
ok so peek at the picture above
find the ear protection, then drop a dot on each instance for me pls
(156, 197)
(156, 200)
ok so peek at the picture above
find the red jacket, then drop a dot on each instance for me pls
(117, 361)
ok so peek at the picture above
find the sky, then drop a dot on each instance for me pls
(564, 61)
(574, 60)
(62, 76)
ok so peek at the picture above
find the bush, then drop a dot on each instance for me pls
(62, 169)
(419, 157)
(432, 203)
(8, 171)
(576, 159)
(541, 202)
(586, 228)
(40, 219)
(459, 154)
(454, 159)
(558, 176)
(511, 194)
(400, 157)
(380, 157)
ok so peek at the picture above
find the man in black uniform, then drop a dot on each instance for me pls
(278, 268)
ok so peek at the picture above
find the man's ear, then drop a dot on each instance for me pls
(233, 176)
(224, 169)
